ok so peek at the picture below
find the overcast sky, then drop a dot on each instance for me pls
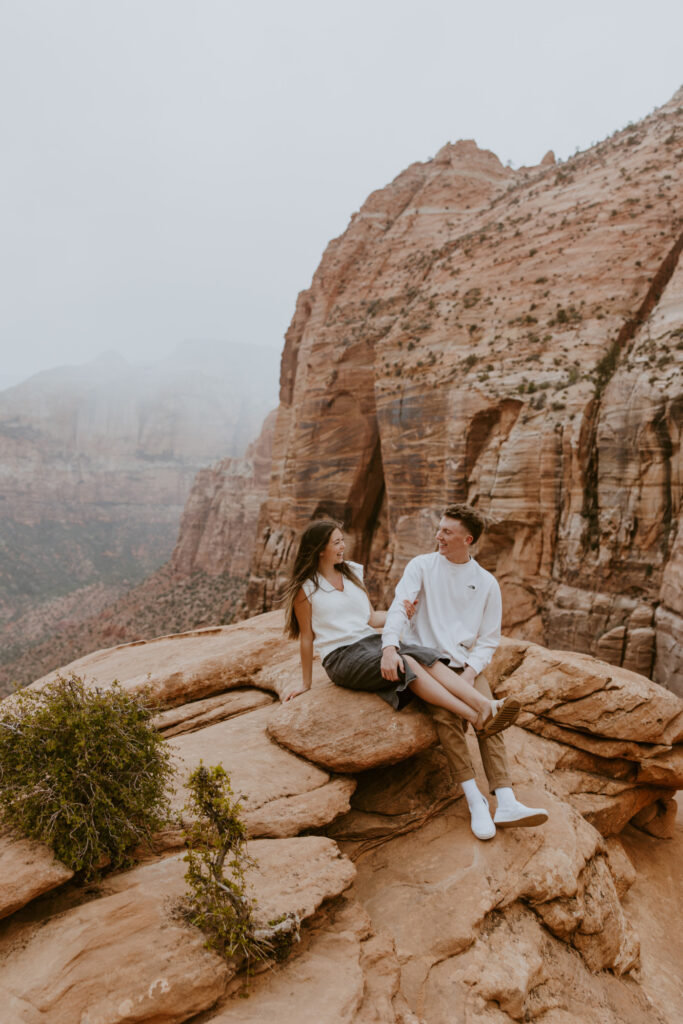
(173, 169)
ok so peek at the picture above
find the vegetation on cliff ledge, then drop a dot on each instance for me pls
(217, 901)
(83, 770)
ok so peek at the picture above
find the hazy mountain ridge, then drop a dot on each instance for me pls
(96, 462)
(204, 582)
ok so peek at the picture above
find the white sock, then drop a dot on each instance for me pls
(505, 797)
(472, 793)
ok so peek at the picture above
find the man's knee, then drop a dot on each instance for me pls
(446, 718)
(481, 684)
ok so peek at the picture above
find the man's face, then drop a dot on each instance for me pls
(454, 540)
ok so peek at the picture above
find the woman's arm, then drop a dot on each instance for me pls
(377, 619)
(302, 610)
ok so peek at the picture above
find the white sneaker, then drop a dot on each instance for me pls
(481, 821)
(517, 815)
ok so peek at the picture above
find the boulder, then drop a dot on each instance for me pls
(291, 815)
(589, 696)
(120, 958)
(189, 666)
(200, 713)
(27, 870)
(281, 795)
(349, 732)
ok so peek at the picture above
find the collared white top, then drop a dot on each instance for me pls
(338, 617)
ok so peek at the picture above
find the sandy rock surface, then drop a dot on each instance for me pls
(438, 927)
(200, 713)
(27, 870)
(122, 957)
(653, 906)
(281, 794)
(610, 739)
(117, 958)
(349, 975)
(186, 666)
(349, 735)
(578, 692)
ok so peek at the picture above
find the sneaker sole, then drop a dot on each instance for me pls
(533, 819)
(506, 717)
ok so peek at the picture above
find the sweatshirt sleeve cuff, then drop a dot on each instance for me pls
(389, 640)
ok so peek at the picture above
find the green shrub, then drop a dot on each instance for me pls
(218, 902)
(83, 770)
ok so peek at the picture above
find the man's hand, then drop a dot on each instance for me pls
(391, 663)
(293, 693)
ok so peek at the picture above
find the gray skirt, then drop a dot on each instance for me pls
(357, 667)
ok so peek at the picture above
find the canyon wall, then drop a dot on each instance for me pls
(204, 581)
(512, 338)
(96, 464)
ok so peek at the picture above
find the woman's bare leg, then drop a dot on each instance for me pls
(432, 691)
(458, 686)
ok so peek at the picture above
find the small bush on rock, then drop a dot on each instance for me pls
(83, 770)
(217, 902)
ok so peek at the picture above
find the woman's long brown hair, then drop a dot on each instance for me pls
(313, 541)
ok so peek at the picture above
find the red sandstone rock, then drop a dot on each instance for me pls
(511, 338)
(27, 870)
(122, 958)
(524, 925)
(218, 528)
(349, 735)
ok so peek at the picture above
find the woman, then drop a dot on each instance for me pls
(328, 609)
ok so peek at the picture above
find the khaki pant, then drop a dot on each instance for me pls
(451, 730)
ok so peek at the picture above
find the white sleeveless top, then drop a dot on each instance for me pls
(338, 617)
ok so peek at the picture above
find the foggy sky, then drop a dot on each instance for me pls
(173, 169)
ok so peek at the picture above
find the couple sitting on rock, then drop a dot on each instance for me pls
(449, 610)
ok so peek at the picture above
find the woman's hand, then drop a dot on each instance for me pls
(296, 692)
(410, 607)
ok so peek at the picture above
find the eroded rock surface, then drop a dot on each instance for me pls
(27, 870)
(537, 924)
(280, 794)
(510, 338)
(121, 958)
(349, 736)
(612, 740)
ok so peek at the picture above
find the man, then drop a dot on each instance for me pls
(458, 611)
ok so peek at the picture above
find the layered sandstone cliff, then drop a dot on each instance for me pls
(96, 463)
(513, 338)
(204, 581)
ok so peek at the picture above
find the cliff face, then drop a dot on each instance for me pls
(513, 339)
(96, 463)
(218, 526)
(203, 583)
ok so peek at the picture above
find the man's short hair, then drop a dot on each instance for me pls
(470, 518)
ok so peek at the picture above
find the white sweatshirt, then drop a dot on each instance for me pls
(459, 610)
